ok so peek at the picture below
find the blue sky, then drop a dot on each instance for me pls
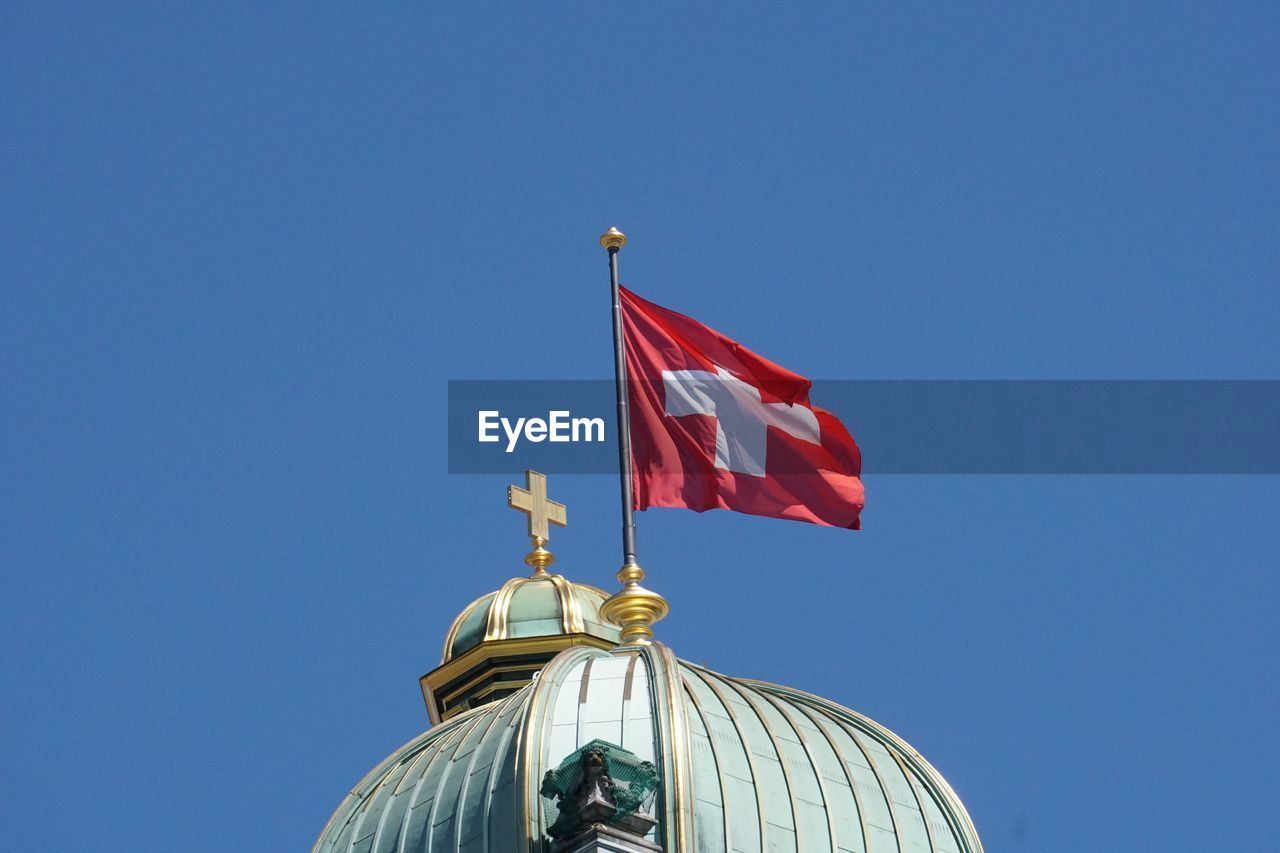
(246, 246)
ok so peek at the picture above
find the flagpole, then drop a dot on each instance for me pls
(613, 240)
(633, 609)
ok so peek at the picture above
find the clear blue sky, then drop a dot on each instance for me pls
(244, 248)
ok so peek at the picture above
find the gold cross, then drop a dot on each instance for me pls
(533, 502)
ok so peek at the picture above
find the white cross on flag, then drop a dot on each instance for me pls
(713, 425)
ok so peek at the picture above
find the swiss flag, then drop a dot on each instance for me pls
(715, 426)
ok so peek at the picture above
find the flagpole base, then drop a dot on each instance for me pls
(633, 608)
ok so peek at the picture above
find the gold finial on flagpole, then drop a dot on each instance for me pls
(613, 239)
(542, 512)
(633, 608)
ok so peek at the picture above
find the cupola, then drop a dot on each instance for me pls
(499, 642)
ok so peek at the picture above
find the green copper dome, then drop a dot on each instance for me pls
(502, 640)
(538, 606)
(742, 766)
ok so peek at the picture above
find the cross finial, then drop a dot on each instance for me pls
(532, 501)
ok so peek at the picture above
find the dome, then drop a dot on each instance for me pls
(538, 606)
(741, 765)
(500, 641)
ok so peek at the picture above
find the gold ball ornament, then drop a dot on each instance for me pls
(613, 239)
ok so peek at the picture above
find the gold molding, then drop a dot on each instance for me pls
(745, 742)
(496, 627)
(787, 779)
(915, 793)
(672, 729)
(717, 758)
(457, 626)
(481, 676)
(531, 757)
(811, 714)
(570, 612)
(516, 686)
(447, 672)
(784, 711)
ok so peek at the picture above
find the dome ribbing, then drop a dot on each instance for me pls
(743, 765)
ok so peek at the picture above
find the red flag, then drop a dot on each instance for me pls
(713, 425)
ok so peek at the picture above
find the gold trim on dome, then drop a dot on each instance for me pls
(497, 621)
(531, 755)
(516, 686)
(948, 802)
(692, 701)
(462, 734)
(894, 817)
(447, 652)
(750, 755)
(570, 611)
(459, 666)
(924, 815)
(460, 825)
(481, 676)
(681, 743)
(793, 796)
(828, 805)
(515, 646)
(505, 740)
(496, 627)
(811, 715)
